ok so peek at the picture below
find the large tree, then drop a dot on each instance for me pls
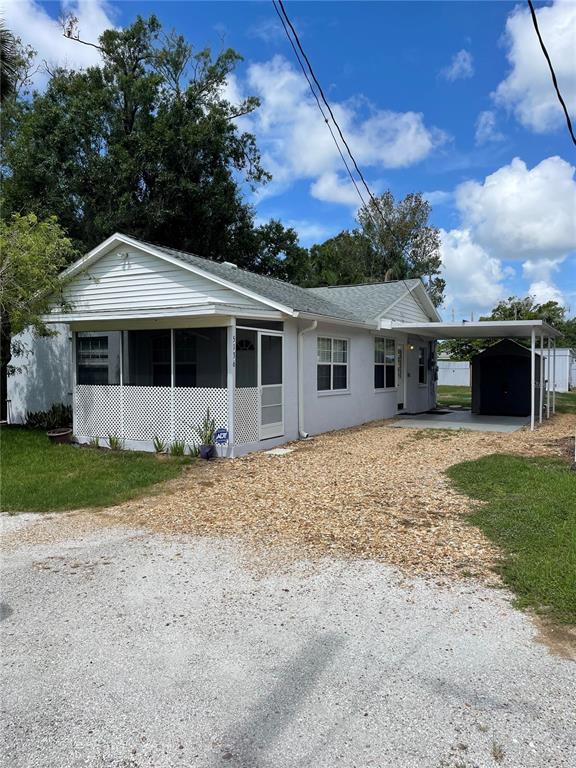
(146, 143)
(403, 242)
(394, 241)
(32, 254)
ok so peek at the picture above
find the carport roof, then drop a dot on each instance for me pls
(478, 329)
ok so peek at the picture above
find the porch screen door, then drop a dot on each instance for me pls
(271, 385)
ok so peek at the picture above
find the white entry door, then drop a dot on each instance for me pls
(271, 383)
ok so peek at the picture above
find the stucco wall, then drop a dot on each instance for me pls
(43, 377)
(361, 402)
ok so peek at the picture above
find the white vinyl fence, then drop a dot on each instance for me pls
(455, 373)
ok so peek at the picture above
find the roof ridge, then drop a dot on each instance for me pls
(366, 285)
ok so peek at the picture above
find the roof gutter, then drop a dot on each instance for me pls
(302, 434)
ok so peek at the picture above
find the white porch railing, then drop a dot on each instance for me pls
(141, 413)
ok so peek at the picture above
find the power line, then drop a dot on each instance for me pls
(554, 80)
(358, 171)
(335, 140)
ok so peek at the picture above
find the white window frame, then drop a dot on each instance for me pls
(332, 363)
(384, 365)
(424, 351)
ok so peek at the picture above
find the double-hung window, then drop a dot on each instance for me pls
(422, 366)
(332, 367)
(92, 359)
(384, 363)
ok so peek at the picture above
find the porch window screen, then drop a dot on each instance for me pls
(332, 364)
(98, 358)
(200, 357)
(147, 358)
(422, 369)
(384, 363)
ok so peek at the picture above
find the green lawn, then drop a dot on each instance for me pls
(448, 395)
(531, 514)
(37, 476)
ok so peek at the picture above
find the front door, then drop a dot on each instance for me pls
(400, 376)
(270, 379)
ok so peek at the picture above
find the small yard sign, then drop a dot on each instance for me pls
(221, 436)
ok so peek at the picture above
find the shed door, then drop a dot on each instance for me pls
(271, 385)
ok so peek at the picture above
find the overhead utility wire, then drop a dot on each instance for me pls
(554, 80)
(335, 140)
(359, 172)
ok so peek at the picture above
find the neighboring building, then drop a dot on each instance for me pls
(157, 336)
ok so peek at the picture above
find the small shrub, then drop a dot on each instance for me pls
(58, 415)
(159, 444)
(178, 448)
(94, 442)
(115, 443)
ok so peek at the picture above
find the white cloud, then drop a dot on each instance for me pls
(28, 20)
(460, 68)
(333, 188)
(474, 278)
(541, 269)
(486, 128)
(309, 232)
(437, 197)
(543, 291)
(521, 213)
(295, 141)
(528, 89)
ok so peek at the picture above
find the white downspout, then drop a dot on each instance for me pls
(541, 379)
(302, 434)
(554, 375)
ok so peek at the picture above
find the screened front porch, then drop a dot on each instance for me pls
(142, 384)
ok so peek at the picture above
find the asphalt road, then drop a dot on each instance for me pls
(126, 649)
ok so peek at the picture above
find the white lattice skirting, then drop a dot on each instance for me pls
(246, 415)
(141, 413)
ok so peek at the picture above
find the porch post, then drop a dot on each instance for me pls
(73, 382)
(122, 384)
(548, 380)
(540, 398)
(231, 379)
(172, 381)
(554, 376)
(532, 376)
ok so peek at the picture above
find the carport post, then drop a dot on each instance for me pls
(554, 376)
(532, 376)
(540, 398)
(548, 380)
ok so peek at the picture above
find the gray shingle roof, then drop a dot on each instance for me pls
(366, 302)
(299, 299)
(358, 303)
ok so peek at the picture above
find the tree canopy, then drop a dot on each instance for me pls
(32, 254)
(145, 143)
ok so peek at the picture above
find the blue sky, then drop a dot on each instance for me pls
(452, 99)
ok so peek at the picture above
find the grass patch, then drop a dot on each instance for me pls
(37, 476)
(530, 512)
(449, 396)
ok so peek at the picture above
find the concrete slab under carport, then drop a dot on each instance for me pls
(461, 419)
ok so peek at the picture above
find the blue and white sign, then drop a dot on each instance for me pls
(221, 436)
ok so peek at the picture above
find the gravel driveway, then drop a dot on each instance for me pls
(131, 649)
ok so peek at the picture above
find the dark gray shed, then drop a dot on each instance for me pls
(501, 380)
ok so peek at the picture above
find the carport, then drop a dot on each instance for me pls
(542, 336)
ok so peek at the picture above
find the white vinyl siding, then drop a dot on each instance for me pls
(407, 310)
(139, 280)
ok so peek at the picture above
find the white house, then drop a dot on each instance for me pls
(157, 336)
